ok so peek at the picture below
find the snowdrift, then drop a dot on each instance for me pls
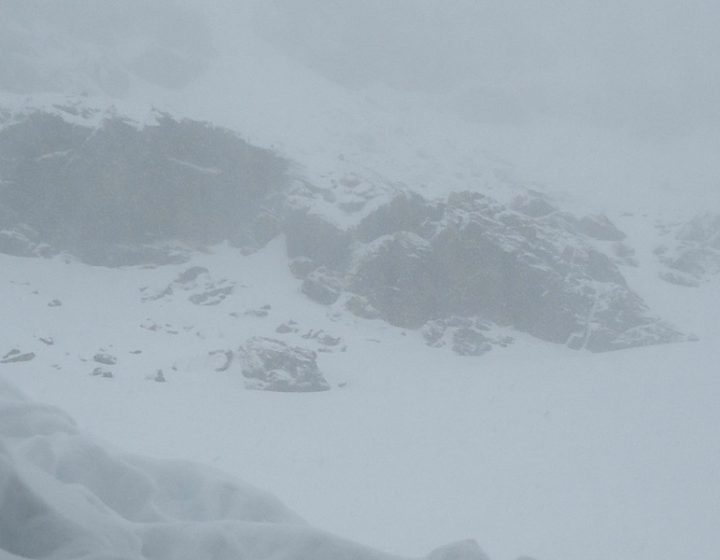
(65, 496)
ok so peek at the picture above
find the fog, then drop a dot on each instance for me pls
(644, 66)
(427, 270)
(601, 97)
(638, 65)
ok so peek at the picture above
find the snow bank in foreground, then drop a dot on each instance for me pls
(64, 496)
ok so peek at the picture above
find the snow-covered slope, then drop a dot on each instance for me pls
(529, 448)
(532, 448)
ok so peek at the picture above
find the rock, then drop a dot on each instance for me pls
(322, 337)
(313, 237)
(470, 342)
(406, 212)
(360, 306)
(321, 286)
(55, 303)
(271, 365)
(259, 312)
(533, 204)
(126, 190)
(466, 336)
(202, 288)
(150, 325)
(394, 275)
(301, 267)
(287, 328)
(22, 241)
(16, 356)
(212, 297)
(100, 372)
(159, 376)
(190, 276)
(47, 340)
(691, 251)
(599, 227)
(526, 266)
(221, 360)
(115, 255)
(105, 358)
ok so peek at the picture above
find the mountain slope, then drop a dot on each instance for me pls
(380, 250)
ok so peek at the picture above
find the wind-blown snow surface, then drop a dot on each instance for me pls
(533, 449)
(64, 496)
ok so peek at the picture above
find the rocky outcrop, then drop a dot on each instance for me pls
(466, 336)
(119, 193)
(527, 265)
(690, 252)
(201, 288)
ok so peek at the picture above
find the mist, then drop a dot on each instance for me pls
(642, 66)
(429, 271)
(615, 64)
(602, 98)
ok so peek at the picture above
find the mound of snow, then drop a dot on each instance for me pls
(64, 495)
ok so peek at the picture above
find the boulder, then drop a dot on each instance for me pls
(271, 365)
(105, 358)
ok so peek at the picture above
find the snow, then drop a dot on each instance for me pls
(64, 495)
(534, 449)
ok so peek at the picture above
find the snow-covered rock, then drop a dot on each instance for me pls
(132, 194)
(691, 251)
(272, 365)
(533, 268)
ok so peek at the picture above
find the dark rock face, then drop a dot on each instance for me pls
(123, 194)
(271, 365)
(528, 266)
(312, 236)
(691, 251)
(392, 272)
(406, 212)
